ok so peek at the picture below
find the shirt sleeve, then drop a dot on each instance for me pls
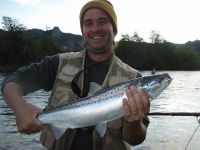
(36, 76)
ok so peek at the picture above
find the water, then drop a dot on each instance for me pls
(164, 132)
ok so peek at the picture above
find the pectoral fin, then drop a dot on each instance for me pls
(57, 131)
(101, 129)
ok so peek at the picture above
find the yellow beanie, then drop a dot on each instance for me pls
(106, 6)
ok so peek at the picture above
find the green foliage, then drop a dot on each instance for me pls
(12, 25)
(12, 42)
(17, 48)
(158, 55)
(49, 45)
(156, 37)
(187, 58)
(130, 52)
(135, 37)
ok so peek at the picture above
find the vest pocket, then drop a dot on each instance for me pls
(68, 72)
(63, 91)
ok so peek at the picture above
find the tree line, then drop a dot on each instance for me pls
(159, 56)
(18, 49)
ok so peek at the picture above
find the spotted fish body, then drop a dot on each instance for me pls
(102, 107)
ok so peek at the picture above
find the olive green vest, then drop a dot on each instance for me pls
(69, 65)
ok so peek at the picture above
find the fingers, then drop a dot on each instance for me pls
(127, 110)
(137, 104)
(31, 129)
(133, 98)
(145, 100)
(30, 126)
(36, 126)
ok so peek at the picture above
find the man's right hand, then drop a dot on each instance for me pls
(26, 120)
(25, 113)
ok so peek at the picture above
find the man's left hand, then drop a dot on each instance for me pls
(136, 106)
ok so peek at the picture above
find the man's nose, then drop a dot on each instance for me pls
(95, 27)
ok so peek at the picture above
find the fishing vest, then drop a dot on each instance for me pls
(69, 65)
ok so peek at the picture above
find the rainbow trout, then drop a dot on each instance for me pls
(102, 107)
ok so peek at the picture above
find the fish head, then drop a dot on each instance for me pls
(154, 85)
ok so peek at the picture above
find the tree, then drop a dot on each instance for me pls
(48, 45)
(155, 37)
(12, 41)
(125, 37)
(134, 38)
(187, 58)
(12, 25)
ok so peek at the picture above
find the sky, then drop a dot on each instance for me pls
(177, 21)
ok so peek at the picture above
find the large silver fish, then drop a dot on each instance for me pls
(102, 107)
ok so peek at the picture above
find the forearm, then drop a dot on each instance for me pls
(134, 133)
(13, 95)
(25, 113)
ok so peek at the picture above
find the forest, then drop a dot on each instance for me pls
(18, 48)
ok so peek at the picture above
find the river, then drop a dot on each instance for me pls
(164, 132)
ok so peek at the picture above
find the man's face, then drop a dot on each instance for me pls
(98, 31)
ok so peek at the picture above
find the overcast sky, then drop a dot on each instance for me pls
(177, 21)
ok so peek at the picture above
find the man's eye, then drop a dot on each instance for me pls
(103, 21)
(88, 23)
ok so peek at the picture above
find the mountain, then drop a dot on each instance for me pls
(194, 44)
(66, 40)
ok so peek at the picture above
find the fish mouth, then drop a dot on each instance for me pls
(168, 78)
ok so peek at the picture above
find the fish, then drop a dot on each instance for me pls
(102, 107)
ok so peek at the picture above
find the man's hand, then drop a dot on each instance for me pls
(26, 120)
(136, 106)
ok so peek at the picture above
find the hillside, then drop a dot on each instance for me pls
(66, 40)
(194, 44)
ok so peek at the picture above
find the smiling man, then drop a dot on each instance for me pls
(73, 75)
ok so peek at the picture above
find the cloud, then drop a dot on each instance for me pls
(28, 2)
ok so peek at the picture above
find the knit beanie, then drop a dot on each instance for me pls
(104, 5)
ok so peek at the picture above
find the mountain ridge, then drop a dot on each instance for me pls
(65, 40)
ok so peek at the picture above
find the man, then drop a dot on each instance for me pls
(74, 75)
